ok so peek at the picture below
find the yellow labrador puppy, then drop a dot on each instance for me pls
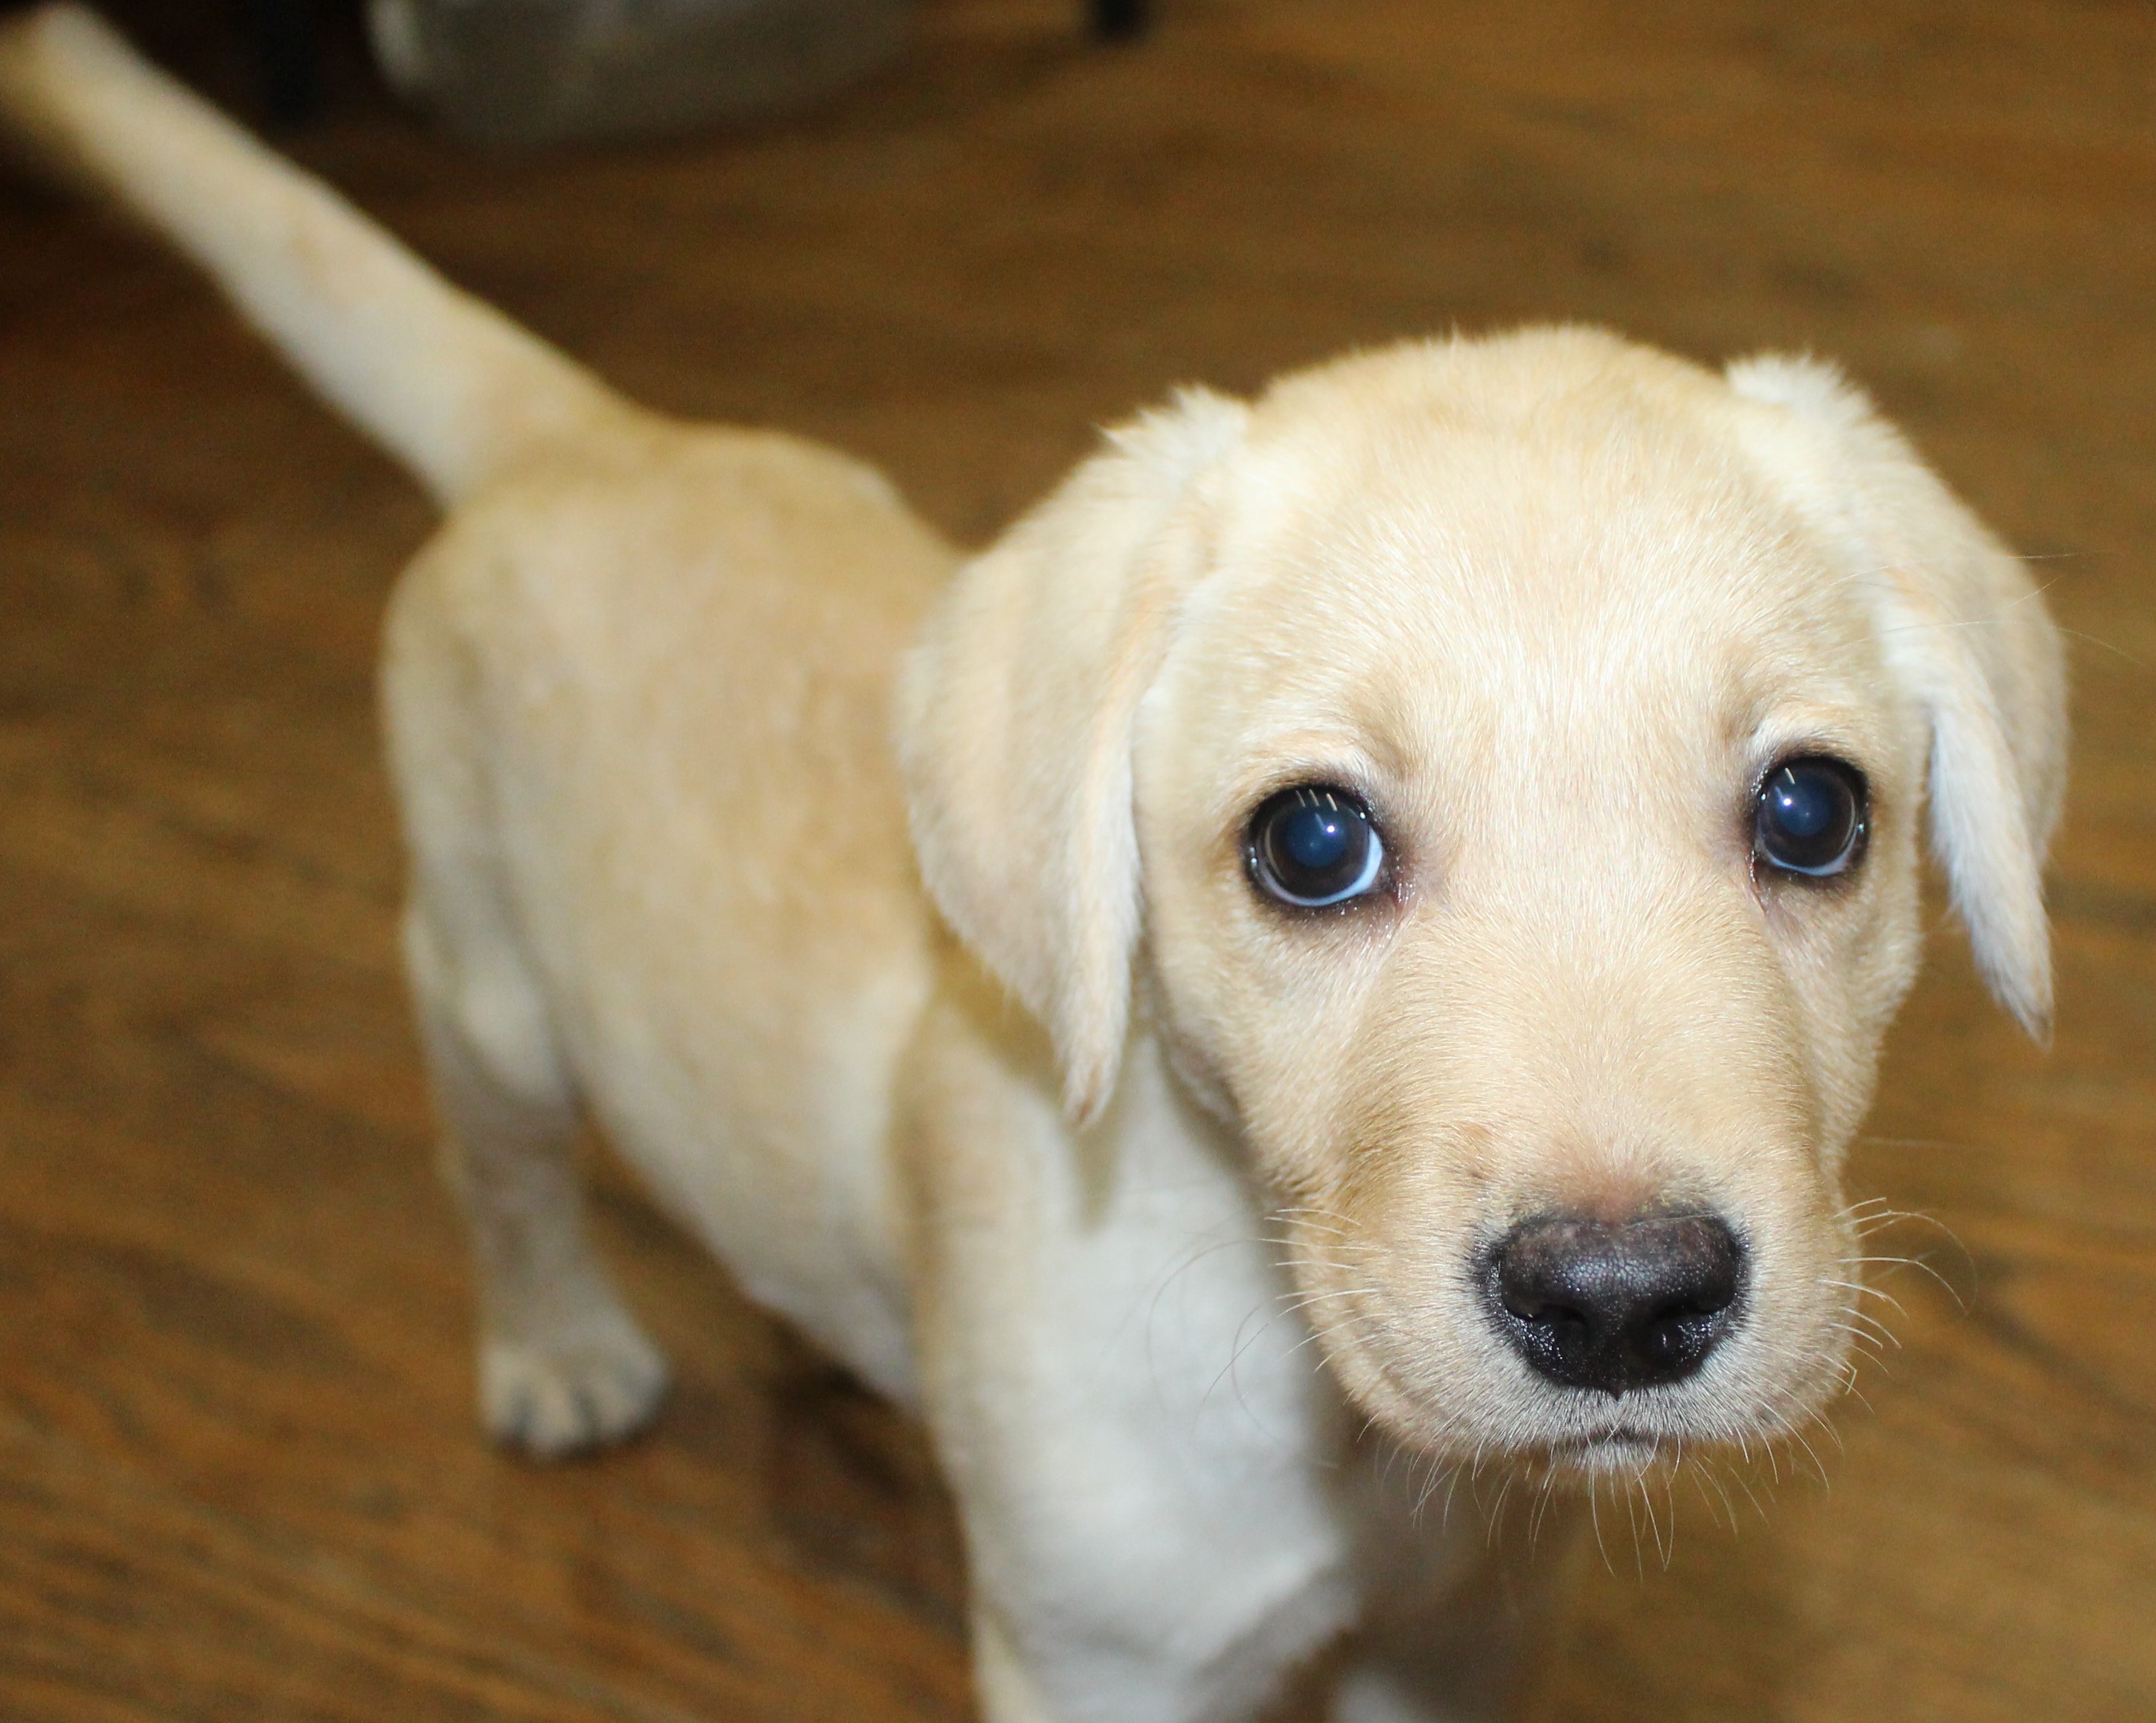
(1450, 824)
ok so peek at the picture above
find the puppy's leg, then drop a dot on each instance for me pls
(562, 1365)
(1455, 1658)
(1139, 1450)
(1454, 1607)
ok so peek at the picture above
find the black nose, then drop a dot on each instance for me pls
(1593, 1305)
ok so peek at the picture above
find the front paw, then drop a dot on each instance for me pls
(582, 1387)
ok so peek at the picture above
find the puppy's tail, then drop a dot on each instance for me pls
(448, 386)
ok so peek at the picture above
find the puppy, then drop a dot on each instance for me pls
(1450, 824)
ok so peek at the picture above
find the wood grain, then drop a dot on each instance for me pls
(239, 1477)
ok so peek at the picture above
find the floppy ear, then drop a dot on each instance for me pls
(1016, 714)
(1966, 633)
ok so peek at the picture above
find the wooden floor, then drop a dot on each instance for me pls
(239, 1476)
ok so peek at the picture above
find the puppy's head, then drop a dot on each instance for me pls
(1503, 762)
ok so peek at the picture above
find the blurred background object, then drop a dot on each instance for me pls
(515, 73)
(288, 48)
(521, 72)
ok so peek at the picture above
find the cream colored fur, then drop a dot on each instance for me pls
(1550, 602)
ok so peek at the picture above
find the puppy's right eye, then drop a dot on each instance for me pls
(1313, 846)
(1811, 814)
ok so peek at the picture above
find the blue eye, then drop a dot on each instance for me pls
(1314, 845)
(1812, 817)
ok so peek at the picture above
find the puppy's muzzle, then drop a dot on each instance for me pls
(1616, 1308)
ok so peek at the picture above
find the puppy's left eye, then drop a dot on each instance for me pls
(1812, 816)
(1315, 845)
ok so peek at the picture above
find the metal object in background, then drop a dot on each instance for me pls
(523, 72)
